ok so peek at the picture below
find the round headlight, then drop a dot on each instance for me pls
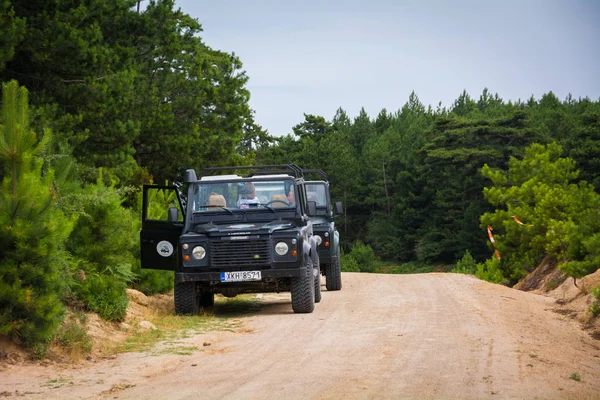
(199, 252)
(281, 248)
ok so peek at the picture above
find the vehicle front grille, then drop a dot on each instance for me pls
(247, 253)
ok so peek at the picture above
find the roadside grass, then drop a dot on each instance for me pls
(171, 329)
(387, 267)
(413, 267)
(575, 376)
(72, 336)
(57, 383)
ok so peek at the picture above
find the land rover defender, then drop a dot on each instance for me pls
(233, 234)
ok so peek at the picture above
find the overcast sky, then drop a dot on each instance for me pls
(314, 56)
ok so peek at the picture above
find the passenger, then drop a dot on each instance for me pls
(216, 200)
(291, 197)
(247, 195)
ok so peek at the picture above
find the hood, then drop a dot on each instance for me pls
(245, 228)
(319, 221)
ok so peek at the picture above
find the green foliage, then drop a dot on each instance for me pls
(136, 93)
(490, 271)
(584, 248)
(104, 245)
(384, 233)
(451, 183)
(559, 215)
(414, 267)
(361, 258)
(149, 281)
(12, 29)
(32, 230)
(363, 254)
(73, 334)
(466, 265)
(349, 264)
(105, 295)
(159, 202)
(595, 306)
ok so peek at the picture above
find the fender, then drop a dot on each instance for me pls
(306, 249)
(335, 245)
(314, 248)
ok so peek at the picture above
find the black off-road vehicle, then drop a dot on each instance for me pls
(324, 227)
(232, 234)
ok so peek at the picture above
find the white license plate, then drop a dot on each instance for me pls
(240, 276)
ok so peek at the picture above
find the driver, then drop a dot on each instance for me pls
(247, 195)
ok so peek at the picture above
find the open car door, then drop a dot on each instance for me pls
(162, 224)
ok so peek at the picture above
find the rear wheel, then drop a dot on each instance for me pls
(333, 274)
(186, 298)
(303, 290)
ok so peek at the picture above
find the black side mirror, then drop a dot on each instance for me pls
(311, 208)
(339, 208)
(173, 215)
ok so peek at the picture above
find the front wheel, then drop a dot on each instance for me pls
(303, 290)
(186, 298)
(333, 274)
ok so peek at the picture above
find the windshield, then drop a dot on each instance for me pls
(211, 196)
(316, 192)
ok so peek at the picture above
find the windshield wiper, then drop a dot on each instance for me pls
(269, 207)
(217, 208)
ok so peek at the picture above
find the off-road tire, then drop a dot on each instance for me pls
(317, 274)
(186, 298)
(303, 290)
(333, 274)
(207, 299)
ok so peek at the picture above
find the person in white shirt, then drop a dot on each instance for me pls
(247, 196)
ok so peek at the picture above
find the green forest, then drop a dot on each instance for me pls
(101, 97)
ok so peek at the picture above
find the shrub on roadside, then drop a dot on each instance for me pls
(349, 264)
(490, 271)
(104, 244)
(149, 281)
(361, 258)
(104, 295)
(466, 265)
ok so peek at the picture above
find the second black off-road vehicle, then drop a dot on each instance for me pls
(233, 234)
(324, 227)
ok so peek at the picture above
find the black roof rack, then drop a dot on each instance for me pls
(316, 171)
(261, 169)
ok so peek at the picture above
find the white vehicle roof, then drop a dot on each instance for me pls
(219, 177)
(276, 176)
(250, 178)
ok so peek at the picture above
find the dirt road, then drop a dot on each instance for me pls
(427, 336)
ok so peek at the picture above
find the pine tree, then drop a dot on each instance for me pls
(32, 229)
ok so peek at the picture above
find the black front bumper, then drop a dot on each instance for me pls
(215, 276)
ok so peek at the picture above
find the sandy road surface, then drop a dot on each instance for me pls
(428, 336)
